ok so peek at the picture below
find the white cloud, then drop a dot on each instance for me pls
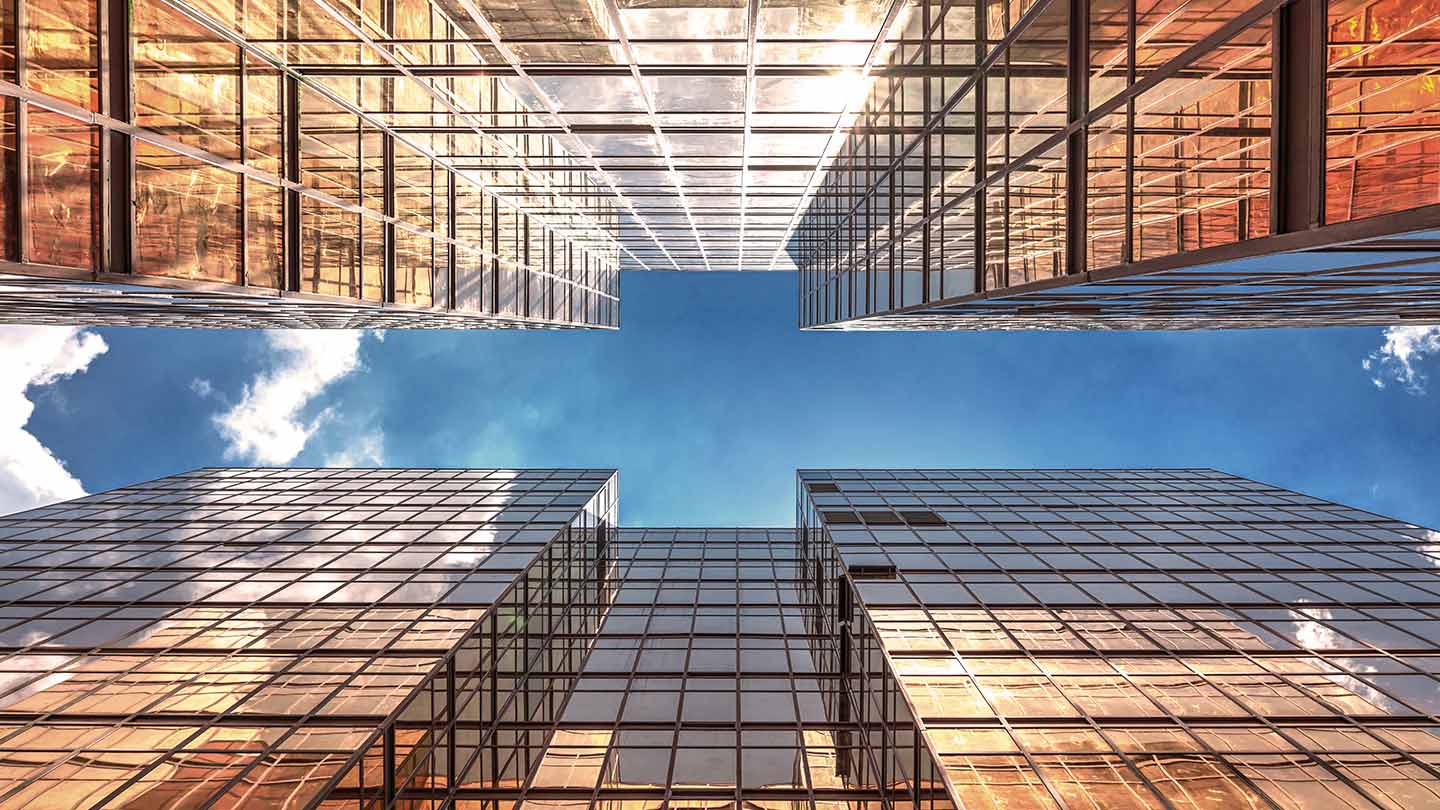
(30, 475)
(272, 421)
(1396, 361)
(363, 451)
(202, 387)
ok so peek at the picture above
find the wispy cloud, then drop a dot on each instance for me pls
(276, 414)
(1398, 359)
(365, 450)
(31, 475)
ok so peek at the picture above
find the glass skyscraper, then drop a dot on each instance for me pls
(489, 639)
(282, 638)
(923, 163)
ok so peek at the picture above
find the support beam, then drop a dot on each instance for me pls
(1297, 147)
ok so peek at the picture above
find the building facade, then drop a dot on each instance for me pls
(1131, 638)
(923, 163)
(937, 639)
(287, 638)
(1137, 164)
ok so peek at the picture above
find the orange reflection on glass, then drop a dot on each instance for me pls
(573, 759)
(61, 200)
(187, 217)
(1202, 151)
(62, 49)
(1382, 153)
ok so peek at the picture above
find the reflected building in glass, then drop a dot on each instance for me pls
(1071, 164)
(936, 639)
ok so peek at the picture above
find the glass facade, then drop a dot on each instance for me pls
(407, 163)
(1123, 164)
(286, 164)
(1134, 638)
(922, 639)
(293, 638)
(923, 163)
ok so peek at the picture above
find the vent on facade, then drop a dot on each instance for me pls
(840, 518)
(872, 571)
(824, 488)
(881, 518)
(923, 518)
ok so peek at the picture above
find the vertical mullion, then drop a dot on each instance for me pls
(1077, 147)
(18, 218)
(114, 253)
(926, 294)
(981, 126)
(241, 61)
(1127, 244)
(387, 145)
(1297, 117)
(291, 119)
(452, 253)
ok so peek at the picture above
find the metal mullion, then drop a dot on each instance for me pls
(292, 225)
(752, 13)
(452, 257)
(1077, 147)
(1127, 245)
(925, 291)
(19, 196)
(982, 135)
(388, 259)
(1297, 119)
(115, 252)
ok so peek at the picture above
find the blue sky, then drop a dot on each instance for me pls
(709, 398)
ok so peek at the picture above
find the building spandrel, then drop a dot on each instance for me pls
(287, 637)
(1133, 638)
(1071, 164)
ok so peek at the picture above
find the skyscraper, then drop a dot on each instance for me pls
(478, 163)
(268, 638)
(921, 639)
(1131, 638)
(1137, 164)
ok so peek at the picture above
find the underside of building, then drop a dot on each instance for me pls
(924, 164)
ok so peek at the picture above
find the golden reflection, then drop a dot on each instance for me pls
(573, 759)
(62, 198)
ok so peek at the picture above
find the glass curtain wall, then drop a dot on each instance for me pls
(1137, 638)
(1027, 145)
(205, 147)
(292, 638)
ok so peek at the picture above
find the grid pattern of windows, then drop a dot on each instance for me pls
(217, 149)
(1148, 638)
(702, 691)
(1017, 147)
(271, 637)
